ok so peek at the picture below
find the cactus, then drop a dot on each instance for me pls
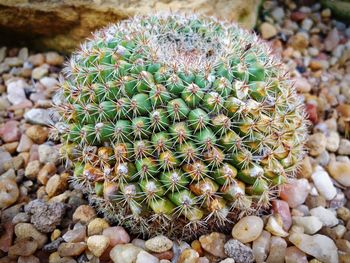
(179, 124)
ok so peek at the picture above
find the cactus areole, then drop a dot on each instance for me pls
(179, 124)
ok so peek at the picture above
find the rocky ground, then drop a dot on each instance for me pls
(44, 219)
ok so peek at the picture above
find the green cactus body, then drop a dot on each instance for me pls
(178, 124)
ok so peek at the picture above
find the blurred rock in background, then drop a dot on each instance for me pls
(62, 25)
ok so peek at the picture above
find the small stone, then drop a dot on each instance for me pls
(316, 144)
(46, 172)
(239, 252)
(261, 246)
(97, 244)
(267, 30)
(307, 24)
(333, 140)
(29, 259)
(343, 245)
(10, 131)
(9, 192)
(139, 243)
(71, 249)
(39, 116)
(302, 85)
(214, 244)
(164, 261)
(343, 213)
(318, 246)
(227, 260)
(37, 133)
(44, 216)
(295, 192)
(145, 257)
(326, 216)
(21, 218)
(159, 244)
(48, 154)
(96, 226)
(77, 234)
(117, 235)
(15, 91)
(340, 171)
(332, 40)
(164, 255)
(188, 256)
(5, 158)
(39, 72)
(275, 226)
(84, 214)
(13, 61)
(27, 230)
(25, 144)
(248, 229)
(281, 208)
(32, 169)
(54, 59)
(278, 14)
(37, 59)
(299, 41)
(53, 246)
(295, 255)
(344, 147)
(323, 184)
(23, 247)
(311, 224)
(277, 250)
(124, 253)
(56, 185)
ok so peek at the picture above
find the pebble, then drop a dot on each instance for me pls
(281, 208)
(344, 148)
(159, 244)
(32, 169)
(46, 172)
(311, 224)
(267, 30)
(9, 192)
(25, 144)
(37, 59)
(37, 133)
(278, 248)
(326, 216)
(295, 255)
(54, 58)
(333, 141)
(275, 226)
(227, 260)
(27, 230)
(295, 192)
(261, 247)
(53, 246)
(15, 91)
(5, 157)
(213, 243)
(248, 229)
(278, 14)
(316, 144)
(319, 246)
(307, 24)
(71, 249)
(302, 85)
(45, 216)
(188, 256)
(29, 259)
(23, 247)
(13, 61)
(124, 253)
(145, 257)
(21, 218)
(239, 252)
(324, 184)
(97, 244)
(56, 185)
(77, 234)
(84, 214)
(10, 131)
(48, 153)
(96, 226)
(299, 41)
(117, 235)
(340, 171)
(332, 40)
(39, 116)
(39, 72)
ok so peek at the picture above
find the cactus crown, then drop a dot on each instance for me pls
(178, 124)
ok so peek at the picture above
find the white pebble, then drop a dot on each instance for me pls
(324, 184)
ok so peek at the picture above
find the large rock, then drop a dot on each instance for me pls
(61, 25)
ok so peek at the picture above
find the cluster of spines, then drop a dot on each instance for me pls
(195, 141)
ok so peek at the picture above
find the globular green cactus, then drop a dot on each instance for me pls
(179, 124)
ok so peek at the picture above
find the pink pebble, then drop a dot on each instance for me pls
(281, 208)
(10, 131)
(117, 235)
(295, 192)
(295, 255)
